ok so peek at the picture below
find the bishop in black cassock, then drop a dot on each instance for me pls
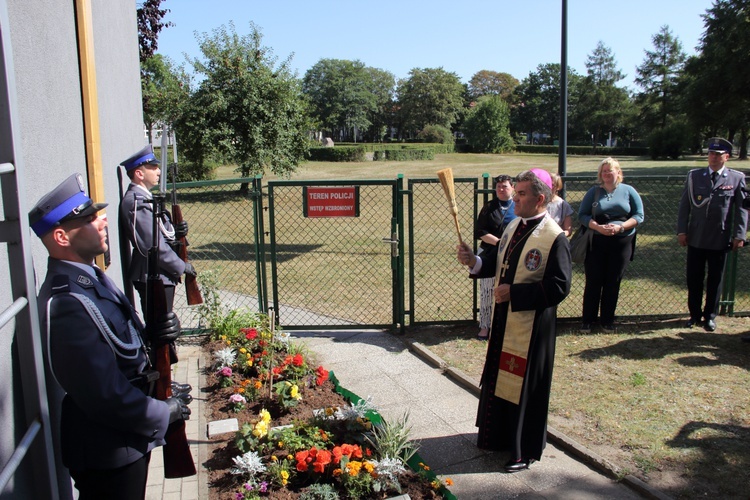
(532, 270)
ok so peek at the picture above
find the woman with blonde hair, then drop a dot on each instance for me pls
(613, 210)
(559, 209)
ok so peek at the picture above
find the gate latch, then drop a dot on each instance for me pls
(393, 240)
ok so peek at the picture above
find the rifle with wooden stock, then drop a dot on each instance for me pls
(192, 290)
(178, 462)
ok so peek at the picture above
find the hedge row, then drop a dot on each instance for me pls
(372, 147)
(339, 153)
(584, 150)
(404, 154)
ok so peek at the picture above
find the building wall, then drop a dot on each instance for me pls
(52, 142)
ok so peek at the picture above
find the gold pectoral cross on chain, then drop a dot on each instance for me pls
(504, 267)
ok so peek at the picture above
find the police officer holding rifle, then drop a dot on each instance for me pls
(105, 421)
(136, 217)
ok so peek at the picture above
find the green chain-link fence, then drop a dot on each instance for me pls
(340, 272)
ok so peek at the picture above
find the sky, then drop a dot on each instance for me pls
(463, 36)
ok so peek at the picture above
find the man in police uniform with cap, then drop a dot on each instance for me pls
(98, 371)
(136, 213)
(710, 222)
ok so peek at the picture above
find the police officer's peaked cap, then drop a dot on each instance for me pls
(67, 201)
(720, 145)
(143, 157)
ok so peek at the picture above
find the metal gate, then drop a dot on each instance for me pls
(339, 271)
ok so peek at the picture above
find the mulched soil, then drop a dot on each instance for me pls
(224, 485)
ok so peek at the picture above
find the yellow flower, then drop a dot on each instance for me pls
(353, 467)
(223, 337)
(290, 457)
(229, 342)
(243, 350)
(435, 484)
(258, 384)
(284, 477)
(294, 392)
(265, 416)
(249, 362)
(280, 444)
(369, 467)
(274, 458)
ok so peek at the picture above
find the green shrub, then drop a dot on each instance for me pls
(338, 153)
(584, 150)
(670, 141)
(486, 126)
(435, 134)
(404, 154)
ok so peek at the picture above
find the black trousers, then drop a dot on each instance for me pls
(605, 266)
(698, 259)
(124, 483)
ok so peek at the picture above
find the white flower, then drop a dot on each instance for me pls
(359, 409)
(283, 337)
(225, 357)
(388, 470)
(249, 463)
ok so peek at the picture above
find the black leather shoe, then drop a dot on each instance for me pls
(517, 466)
(710, 325)
(693, 322)
(181, 388)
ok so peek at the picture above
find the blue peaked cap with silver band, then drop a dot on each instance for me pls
(143, 157)
(67, 201)
(720, 145)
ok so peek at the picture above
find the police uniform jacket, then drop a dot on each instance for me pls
(712, 216)
(137, 216)
(107, 421)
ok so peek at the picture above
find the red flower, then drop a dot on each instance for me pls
(250, 333)
(298, 360)
(302, 457)
(277, 370)
(322, 458)
(322, 375)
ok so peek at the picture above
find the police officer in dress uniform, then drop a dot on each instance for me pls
(98, 369)
(710, 222)
(136, 214)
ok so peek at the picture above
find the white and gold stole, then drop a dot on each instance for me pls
(519, 325)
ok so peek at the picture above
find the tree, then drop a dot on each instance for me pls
(430, 96)
(602, 106)
(658, 77)
(487, 126)
(249, 110)
(536, 107)
(486, 82)
(149, 17)
(346, 95)
(718, 77)
(164, 89)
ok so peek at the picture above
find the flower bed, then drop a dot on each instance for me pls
(301, 435)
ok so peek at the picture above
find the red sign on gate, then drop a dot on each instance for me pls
(331, 201)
